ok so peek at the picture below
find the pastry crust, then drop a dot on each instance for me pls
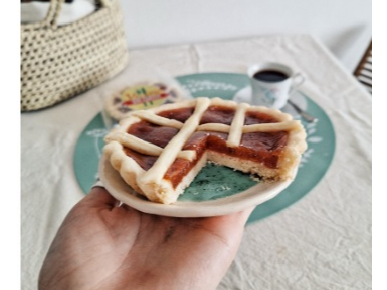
(152, 183)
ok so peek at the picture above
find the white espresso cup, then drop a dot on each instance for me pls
(272, 84)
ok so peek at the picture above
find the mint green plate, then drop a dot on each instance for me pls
(216, 183)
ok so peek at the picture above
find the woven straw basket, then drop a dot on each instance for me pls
(59, 62)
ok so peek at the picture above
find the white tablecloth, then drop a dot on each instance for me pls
(321, 242)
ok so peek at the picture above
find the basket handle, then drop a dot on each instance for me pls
(53, 12)
(51, 19)
(105, 3)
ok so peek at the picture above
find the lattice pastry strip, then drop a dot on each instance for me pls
(264, 127)
(235, 133)
(144, 147)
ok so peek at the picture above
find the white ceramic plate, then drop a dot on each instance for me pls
(253, 196)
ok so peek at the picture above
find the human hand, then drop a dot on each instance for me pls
(102, 246)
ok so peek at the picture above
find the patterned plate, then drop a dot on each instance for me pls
(226, 182)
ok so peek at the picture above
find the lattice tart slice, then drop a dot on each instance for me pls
(158, 152)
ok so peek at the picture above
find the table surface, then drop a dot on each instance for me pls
(321, 242)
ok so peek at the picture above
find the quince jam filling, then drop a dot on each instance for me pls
(260, 147)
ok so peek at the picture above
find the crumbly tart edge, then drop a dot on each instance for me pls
(160, 190)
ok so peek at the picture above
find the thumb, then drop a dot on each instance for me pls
(100, 197)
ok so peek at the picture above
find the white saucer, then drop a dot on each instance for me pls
(244, 96)
(251, 197)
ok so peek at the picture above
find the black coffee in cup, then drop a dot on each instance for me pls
(271, 76)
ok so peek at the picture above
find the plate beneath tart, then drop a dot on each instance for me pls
(253, 196)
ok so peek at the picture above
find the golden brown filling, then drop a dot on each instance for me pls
(261, 147)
